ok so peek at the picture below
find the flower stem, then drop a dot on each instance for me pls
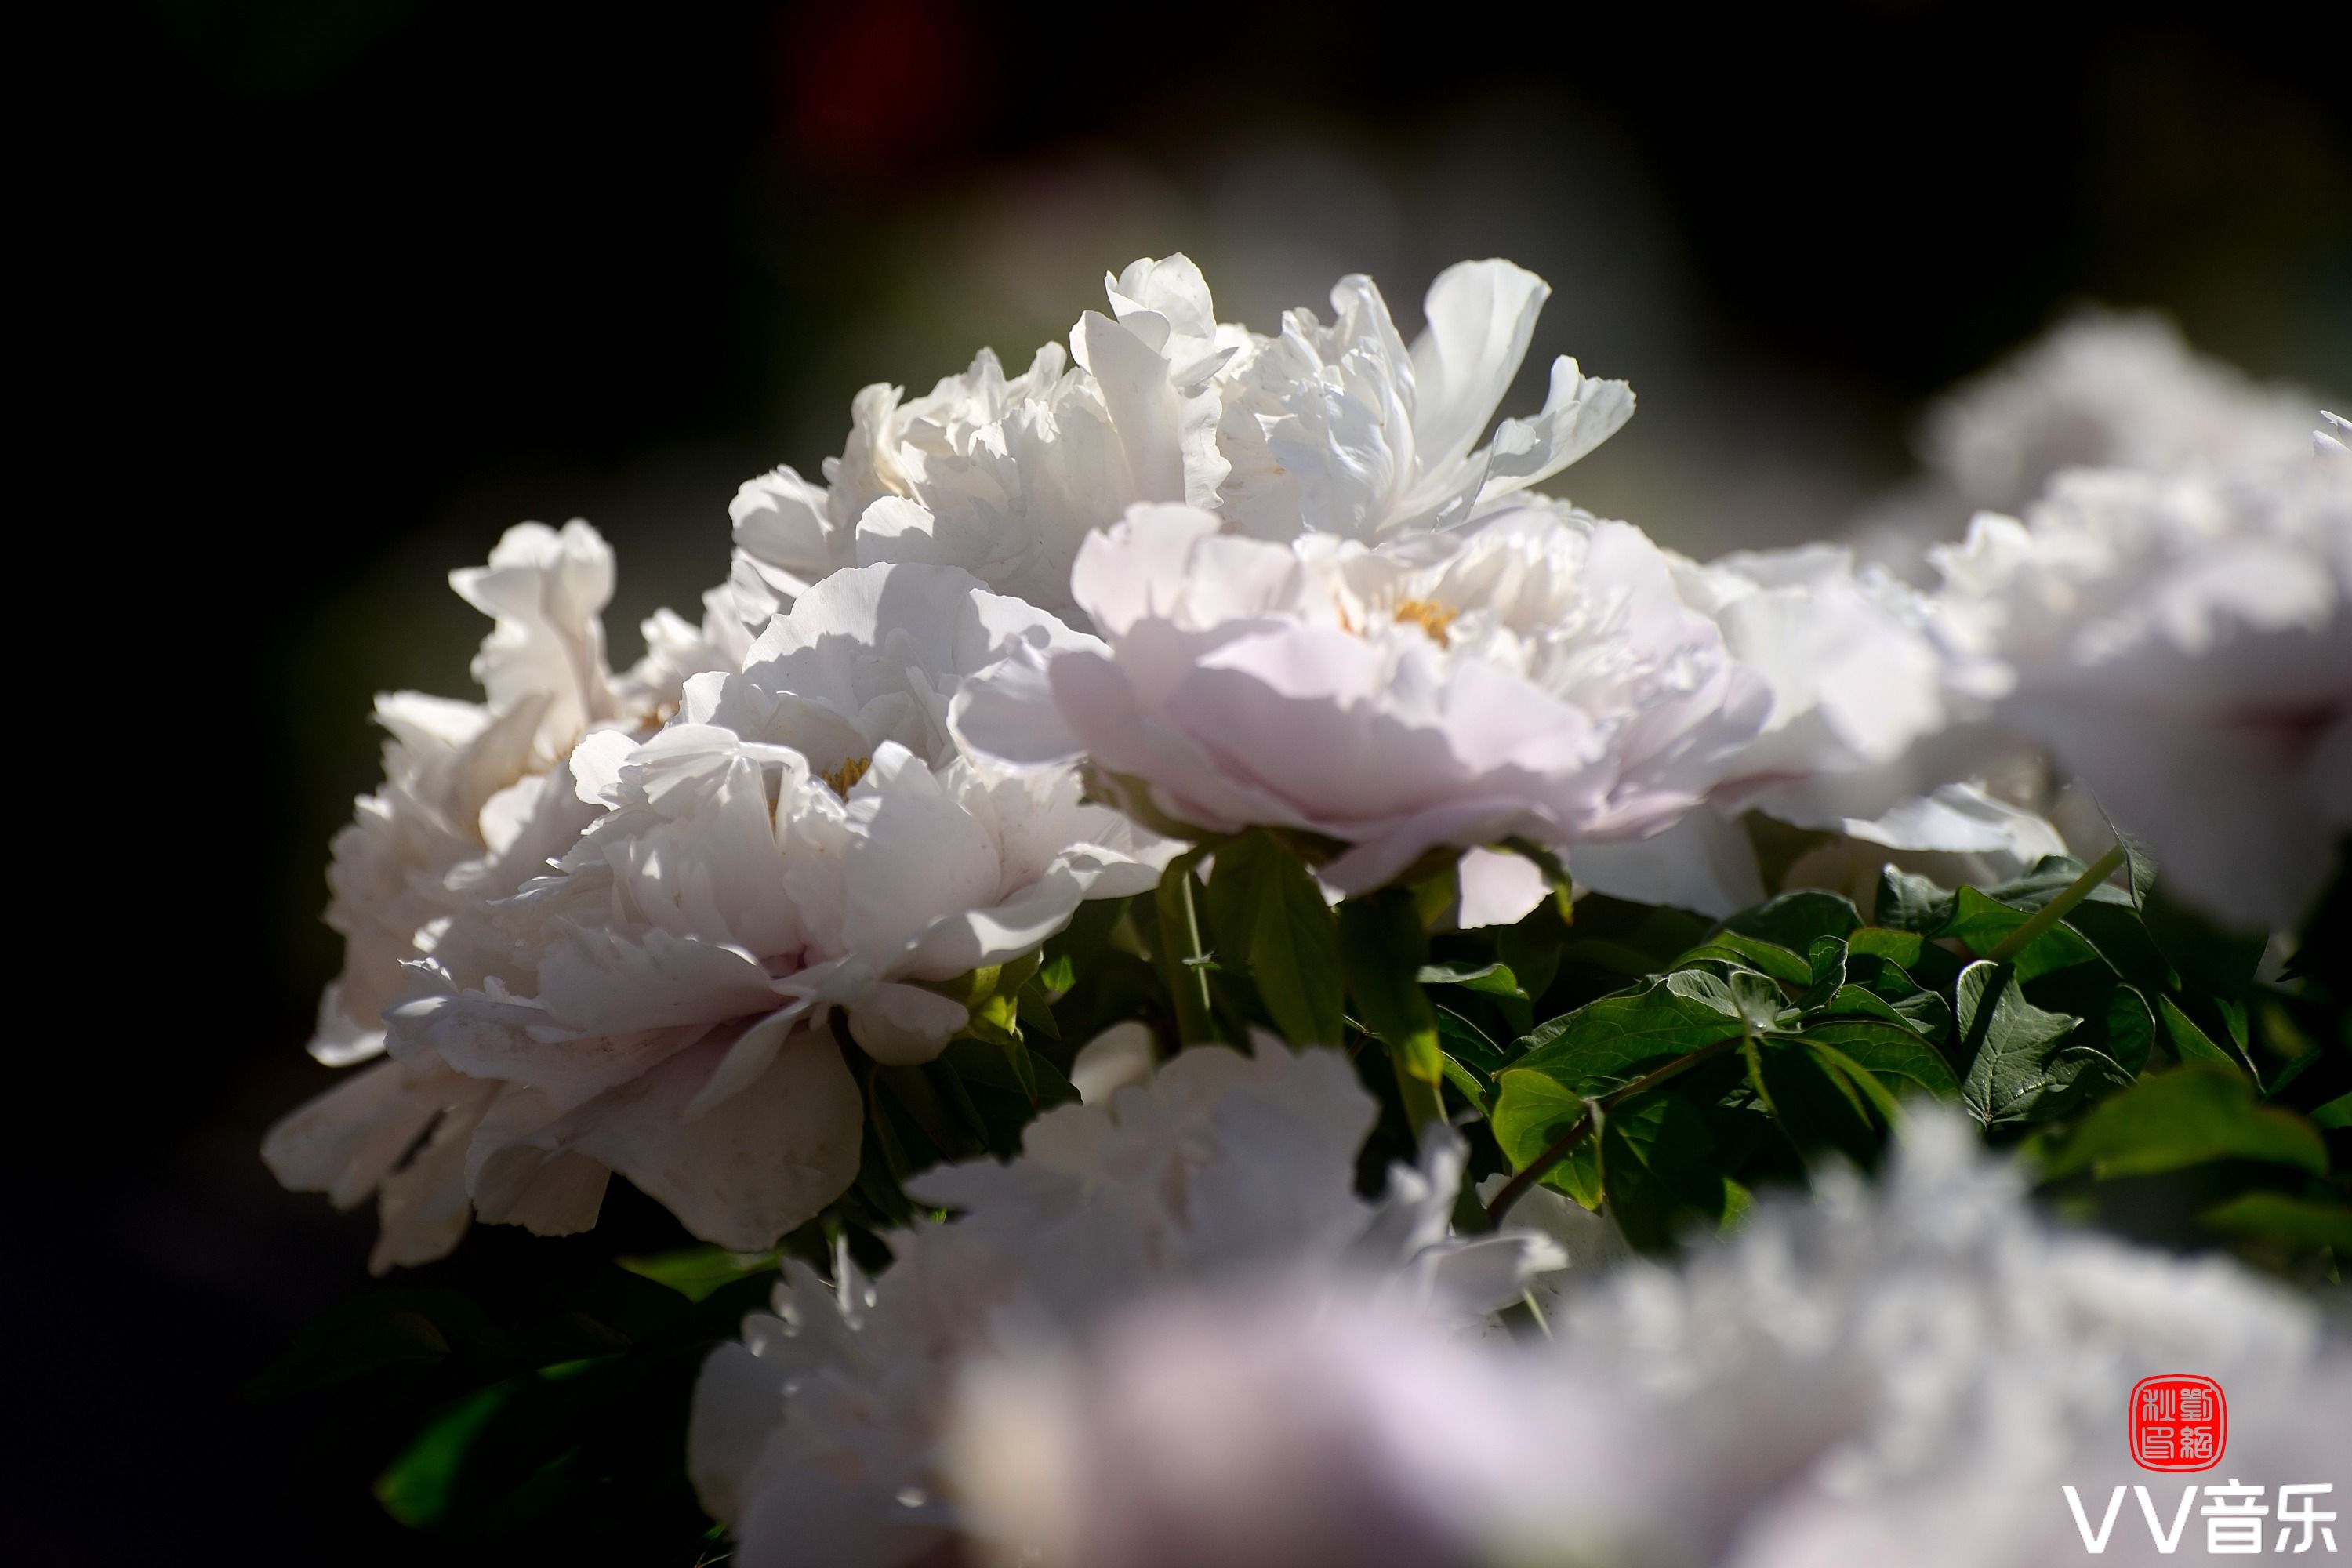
(2057, 909)
(1516, 1187)
(1179, 941)
(1424, 1102)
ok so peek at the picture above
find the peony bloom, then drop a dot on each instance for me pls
(1342, 430)
(1913, 1370)
(1003, 476)
(461, 779)
(476, 798)
(2103, 390)
(1862, 740)
(1338, 429)
(1535, 675)
(804, 836)
(818, 1438)
(2182, 646)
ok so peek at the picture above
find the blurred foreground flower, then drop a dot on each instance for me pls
(1909, 1371)
(818, 1439)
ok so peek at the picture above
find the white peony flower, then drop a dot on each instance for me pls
(804, 836)
(1005, 477)
(1338, 429)
(2103, 390)
(460, 778)
(819, 1437)
(2183, 647)
(474, 803)
(1342, 430)
(1914, 1370)
(1534, 675)
(1863, 739)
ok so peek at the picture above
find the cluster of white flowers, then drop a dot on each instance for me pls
(1186, 579)
(822, 1437)
(1912, 1369)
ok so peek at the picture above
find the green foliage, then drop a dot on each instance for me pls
(1829, 1041)
(1382, 949)
(2024, 1061)
(2184, 1117)
(1269, 917)
(560, 1422)
(1837, 1023)
(698, 1272)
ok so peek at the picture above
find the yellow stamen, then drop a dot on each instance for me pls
(1429, 617)
(845, 778)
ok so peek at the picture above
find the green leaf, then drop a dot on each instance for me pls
(1532, 1112)
(1909, 902)
(2051, 876)
(1893, 1053)
(386, 1329)
(1266, 911)
(1793, 920)
(1826, 959)
(421, 1485)
(694, 1272)
(2303, 1222)
(2336, 1114)
(2208, 959)
(2169, 1120)
(1854, 1002)
(1382, 948)
(1493, 979)
(1901, 948)
(1469, 1044)
(1532, 950)
(1982, 924)
(1746, 952)
(1812, 1099)
(1465, 1083)
(1006, 1087)
(1661, 1171)
(1608, 1042)
(1910, 1002)
(2190, 1043)
(2021, 1059)
(2117, 1022)
(2121, 936)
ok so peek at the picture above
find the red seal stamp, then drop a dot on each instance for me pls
(2178, 1422)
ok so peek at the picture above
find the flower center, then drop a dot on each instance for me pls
(845, 778)
(1431, 617)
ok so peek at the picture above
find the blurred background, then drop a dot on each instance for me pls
(359, 283)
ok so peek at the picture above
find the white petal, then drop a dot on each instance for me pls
(1482, 316)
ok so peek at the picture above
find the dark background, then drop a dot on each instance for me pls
(351, 287)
